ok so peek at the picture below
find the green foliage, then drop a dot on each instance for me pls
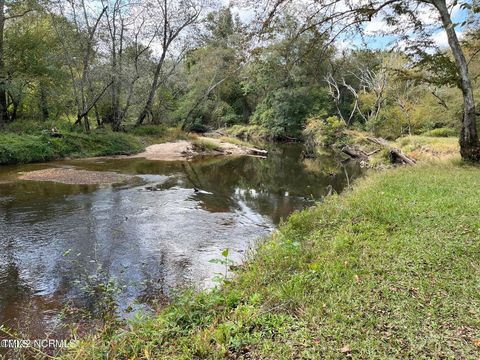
(248, 132)
(324, 132)
(389, 124)
(370, 274)
(149, 130)
(284, 112)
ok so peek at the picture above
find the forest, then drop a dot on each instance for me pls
(82, 66)
(213, 179)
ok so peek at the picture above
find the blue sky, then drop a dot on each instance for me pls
(374, 40)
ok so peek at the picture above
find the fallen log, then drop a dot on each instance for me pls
(355, 153)
(396, 155)
(379, 141)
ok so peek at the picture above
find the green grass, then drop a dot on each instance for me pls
(26, 148)
(442, 132)
(389, 270)
(205, 145)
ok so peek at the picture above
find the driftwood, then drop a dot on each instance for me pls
(259, 152)
(373, 152)
(396, 155)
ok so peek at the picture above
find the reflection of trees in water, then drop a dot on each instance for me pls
(274, 186)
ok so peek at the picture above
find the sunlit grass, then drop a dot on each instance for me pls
(203, 144)
(28, 141)
(427, 148)
(38, 147)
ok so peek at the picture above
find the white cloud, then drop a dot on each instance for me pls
(441, 40)
(376, 26)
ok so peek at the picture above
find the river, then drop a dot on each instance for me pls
(149, 237)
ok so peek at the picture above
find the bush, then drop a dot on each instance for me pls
(441, 132)
(324, 132)
(283, 112)
(16, 148)
(205, 145)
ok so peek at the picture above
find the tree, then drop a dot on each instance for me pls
(172, 18)
(34, 71)
(77, 31)
(127, 40)
(404, 17)
(285, 75)
(214, 94)
(9, 10)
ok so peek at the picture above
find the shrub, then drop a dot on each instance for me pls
(197, 127)
(248, 131)
(324, 132)
(441, 132)
(205, 145)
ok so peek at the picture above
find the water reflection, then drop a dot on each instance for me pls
(152, 235)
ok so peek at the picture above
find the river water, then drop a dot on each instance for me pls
(151, 236)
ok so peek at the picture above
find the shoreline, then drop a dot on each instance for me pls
(180, 150)
(337, 268)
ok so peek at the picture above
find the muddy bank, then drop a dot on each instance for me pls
(75, 177)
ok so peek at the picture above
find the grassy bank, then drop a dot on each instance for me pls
(26, 148)
(388, 270)
(423, 148)
(32, 141)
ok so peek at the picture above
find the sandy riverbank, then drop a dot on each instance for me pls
(75, 176)
(188, 150)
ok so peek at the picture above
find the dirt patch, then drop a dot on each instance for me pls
(75, 177)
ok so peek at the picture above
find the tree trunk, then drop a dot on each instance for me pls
(43, 102)
(469, 143)
(15, 105)
(3, 83)
(116, 120)
(153, 90)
